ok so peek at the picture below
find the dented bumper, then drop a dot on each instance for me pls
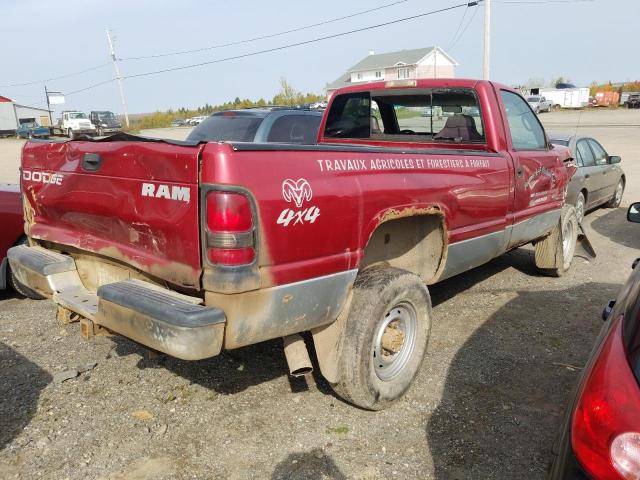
(164, 320)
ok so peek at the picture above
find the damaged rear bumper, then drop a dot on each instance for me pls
(164, 320)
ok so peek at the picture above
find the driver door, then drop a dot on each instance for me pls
(537, 194)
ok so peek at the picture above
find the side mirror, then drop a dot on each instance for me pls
(614, 159)
(633, 214)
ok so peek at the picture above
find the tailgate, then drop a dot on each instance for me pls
(136, 202)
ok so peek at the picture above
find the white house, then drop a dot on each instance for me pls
(429, 62)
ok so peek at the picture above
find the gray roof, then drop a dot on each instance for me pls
(383, 60)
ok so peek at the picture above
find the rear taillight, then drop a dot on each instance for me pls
(229, 235)
(606, 420)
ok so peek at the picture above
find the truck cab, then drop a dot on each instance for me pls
(105, 122)
(74, 123)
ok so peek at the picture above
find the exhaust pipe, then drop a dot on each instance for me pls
(297, 355)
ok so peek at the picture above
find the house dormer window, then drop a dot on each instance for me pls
(403, 72)
(359, 76)
(378, 74)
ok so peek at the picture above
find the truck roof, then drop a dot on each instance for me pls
(417, 83)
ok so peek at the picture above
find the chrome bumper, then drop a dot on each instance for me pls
(161, 319)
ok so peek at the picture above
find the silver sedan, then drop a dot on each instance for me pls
(599, 180)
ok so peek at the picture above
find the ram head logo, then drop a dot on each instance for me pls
(296, 191)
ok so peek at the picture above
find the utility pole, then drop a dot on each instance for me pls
(46, 94)
(118, 77)
(487, 39)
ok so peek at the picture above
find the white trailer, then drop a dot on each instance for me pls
(566, 97)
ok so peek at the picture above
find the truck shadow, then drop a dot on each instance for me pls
(507, 386)
(521, 259)
(22, 382)
(614, 226)
(233, 371)
(306, 465)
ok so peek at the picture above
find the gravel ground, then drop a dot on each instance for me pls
(506, 348)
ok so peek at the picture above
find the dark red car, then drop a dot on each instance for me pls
(600, 437)
(11, 233)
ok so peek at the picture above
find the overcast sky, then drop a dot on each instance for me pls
(40, 39)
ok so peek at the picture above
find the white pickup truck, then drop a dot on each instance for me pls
(73, 123)
(539, 103)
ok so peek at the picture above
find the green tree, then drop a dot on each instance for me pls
(287, 94)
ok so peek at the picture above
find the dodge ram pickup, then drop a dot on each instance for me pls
(189, 248)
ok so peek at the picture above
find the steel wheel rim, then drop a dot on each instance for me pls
(618, 196)
(567, 235)
(394, 340)
(580, 210)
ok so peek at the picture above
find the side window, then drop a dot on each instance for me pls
(289, 129)
(579, 158)
(598, 152)
(584, 152)
(526, 131)
(349, 117)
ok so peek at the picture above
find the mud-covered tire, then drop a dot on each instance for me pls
(386, 301)
(617, 195)
(554, 253)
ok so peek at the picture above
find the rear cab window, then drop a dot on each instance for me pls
(443, 115)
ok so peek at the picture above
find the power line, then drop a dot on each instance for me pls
(90, 87)
(475, 12)
(35, 82)
(464, 14)
(297, 44)
(270, 35)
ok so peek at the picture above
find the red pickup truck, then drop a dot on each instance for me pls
(189, 248)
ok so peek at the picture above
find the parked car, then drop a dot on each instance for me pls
(539, 103)
(11, 234)
(633, 101)
(318, 105)
(32, 130)
(196, 120)
(105, 122)
(600, 435)
(266, 125)
(179, 123)
(600, 180)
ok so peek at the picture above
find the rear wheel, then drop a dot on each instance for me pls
(554, 253)
(385, 337)
(617, 195)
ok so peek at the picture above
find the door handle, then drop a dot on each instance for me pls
(519, 172)
(91, 162)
